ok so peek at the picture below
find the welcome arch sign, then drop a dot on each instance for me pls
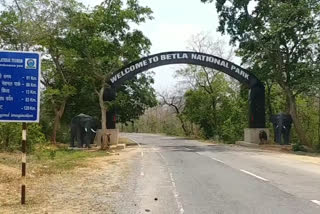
(256, 96)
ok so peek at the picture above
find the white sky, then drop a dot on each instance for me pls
(175, 21)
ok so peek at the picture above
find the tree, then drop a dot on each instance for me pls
(159, 119)
(42, 26)
(60, 65)
(197, 76)
(209, 90)
(176, 101)
(104, 40)
(133, 98)
(220, 113)
(279, 41)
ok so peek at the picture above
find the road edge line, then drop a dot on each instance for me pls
(316, 202)
(174, 187)
(254, 175)
(139, 145)
(220, 161)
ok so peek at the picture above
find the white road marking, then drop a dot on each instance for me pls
(139, 145)
(220, 161)
(163, 158)
(249, 173)
(142, 173)
(174, 188)
(187, 149)
(176, 195)
(316, 202)
(135, 142)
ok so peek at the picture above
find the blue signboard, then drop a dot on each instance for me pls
(19, 86)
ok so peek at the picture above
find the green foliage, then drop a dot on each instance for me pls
(80, 49)
(309, 113)
(297, 147)
(42, 26)
(35, 136)
(221, 114)
(10, 136)
(54, 96)
(279, 40)
(104, 40)
(134, 98)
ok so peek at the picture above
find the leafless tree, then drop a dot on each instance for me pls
(175, 100)
(197, 76)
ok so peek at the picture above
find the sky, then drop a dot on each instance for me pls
(174, 23)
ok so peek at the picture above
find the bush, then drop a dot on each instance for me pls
(10, 136)
(34, 136)
(297, 147)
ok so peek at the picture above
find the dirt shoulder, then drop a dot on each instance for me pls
(85, 189)
(284, 151)
(287, 153)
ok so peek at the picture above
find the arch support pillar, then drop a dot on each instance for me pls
(257, 117)
(110, 95)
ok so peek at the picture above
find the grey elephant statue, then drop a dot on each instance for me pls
(281, 126)
(83, 130)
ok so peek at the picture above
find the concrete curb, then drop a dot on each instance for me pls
(119, 146)
(247, 144)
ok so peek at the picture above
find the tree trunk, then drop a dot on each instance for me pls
(319, 122)
(186, 132)
(192, 128)
(269, 87)
(104, 142)
(57, 120)
(56, 125)
(296, 121)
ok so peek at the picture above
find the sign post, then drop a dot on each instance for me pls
(20, 95)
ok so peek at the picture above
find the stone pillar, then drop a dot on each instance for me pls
(251, 135)
(110, 95)
(97, 139)
(114, 137)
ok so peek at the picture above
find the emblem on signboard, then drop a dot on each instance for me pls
(31, 63)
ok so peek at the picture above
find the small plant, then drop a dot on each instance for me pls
(52, 154)
(38, 155)
(318, 148)
(298, 148)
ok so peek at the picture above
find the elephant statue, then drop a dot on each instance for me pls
(83, 130)
(281, 126)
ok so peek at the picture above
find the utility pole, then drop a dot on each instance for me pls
(24, 163)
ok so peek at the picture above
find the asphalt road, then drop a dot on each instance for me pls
(175, 175)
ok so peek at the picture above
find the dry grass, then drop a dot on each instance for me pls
(50, 165)
(45, 160)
